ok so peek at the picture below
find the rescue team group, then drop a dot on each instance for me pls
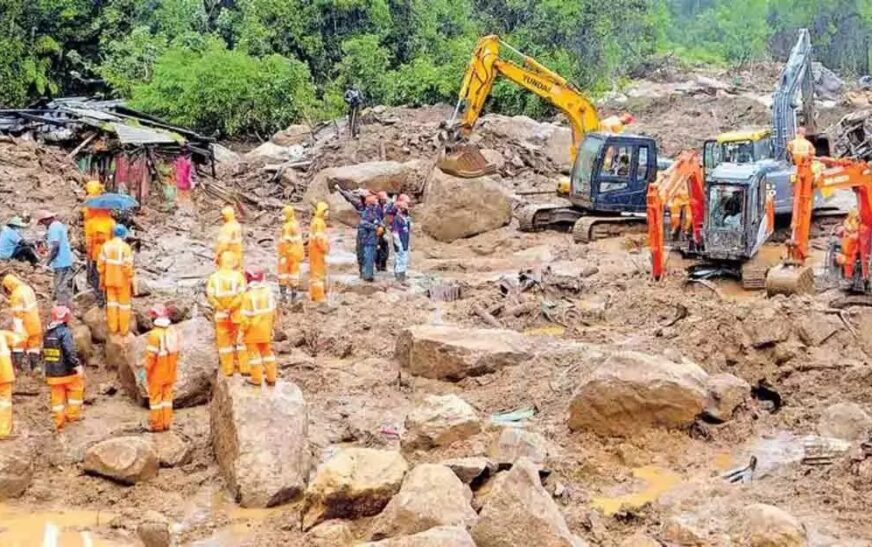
(243, 303)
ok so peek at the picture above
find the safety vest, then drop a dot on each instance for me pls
(225, 289)
(258, 311)
(98, 231)
(291, 242)
(7, 374)
(57, 363)
(800, 147)
(25, 311)
(162, 354)
(116, 264)
(230, 238)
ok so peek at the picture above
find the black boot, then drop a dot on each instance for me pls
(283, 294)
(35, 364)
(19, 363)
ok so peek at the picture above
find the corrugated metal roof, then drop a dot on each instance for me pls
(141, 135)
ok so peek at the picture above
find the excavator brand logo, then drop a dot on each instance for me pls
(536, 83)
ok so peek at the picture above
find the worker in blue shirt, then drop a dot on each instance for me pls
(60, 256)
(12, 243)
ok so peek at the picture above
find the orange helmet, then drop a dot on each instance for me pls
(158, 311)
(254, 273)
(60, 314)
(93, 188)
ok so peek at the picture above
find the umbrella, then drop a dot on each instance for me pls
(112, 201)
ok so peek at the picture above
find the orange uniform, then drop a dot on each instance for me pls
(25, 314)
(225, 290)
(678, 205)
(290, 252)
(258, 320)
(800, 148)
(7, 379)
(63, 373)
(319, 246)
(850, 243)
(98, 230)
(115, 266)
(229, 237)
(161, 368)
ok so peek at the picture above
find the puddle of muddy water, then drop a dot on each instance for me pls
(657, 480)
(211, 506)
(62, 528)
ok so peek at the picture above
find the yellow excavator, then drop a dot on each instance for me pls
(611, 169)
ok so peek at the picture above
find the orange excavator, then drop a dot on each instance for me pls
(793, 276)
(685, 176)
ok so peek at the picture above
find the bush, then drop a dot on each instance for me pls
(226, 92)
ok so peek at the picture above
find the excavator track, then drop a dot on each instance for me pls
(786, 279)
(541, 216)
(592, 228)
(754, 274)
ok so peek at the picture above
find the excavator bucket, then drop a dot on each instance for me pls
(465, 162)
(787, 279)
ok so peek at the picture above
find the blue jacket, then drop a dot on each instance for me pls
(9, 239)
(366, 228)
(402, 229)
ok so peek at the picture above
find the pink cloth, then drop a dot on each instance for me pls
(183, 171)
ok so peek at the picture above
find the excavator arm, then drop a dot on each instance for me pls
(685, 175)
(485, 66)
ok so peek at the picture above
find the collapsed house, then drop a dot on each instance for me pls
(128, 151)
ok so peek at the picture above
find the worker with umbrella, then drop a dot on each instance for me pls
(99, 227)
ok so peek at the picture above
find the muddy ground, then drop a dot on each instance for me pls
(343, 360)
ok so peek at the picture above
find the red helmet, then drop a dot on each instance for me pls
(60, 314)
(254, 274)
(159, 311)
(627, 118)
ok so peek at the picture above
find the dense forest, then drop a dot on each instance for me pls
(248, 67)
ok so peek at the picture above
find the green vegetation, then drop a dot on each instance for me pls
(248, 67)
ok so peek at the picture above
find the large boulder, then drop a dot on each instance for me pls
(127, 460)
(726, 393)
(260, 439)
(121, 350)
(84, 342)
(198, 363)
(270, 151)
(515, 443)
(431, 496)
(456, 208)
(16, 471)
(847, 421)
(355, 482)
(443, 536)
(769, 526)
(294, 134)
(333, 533)
(444, 352)
(471, 469)
(519, 511)
(440, 420)
(171, 449)
(95, 319)
(632, 391)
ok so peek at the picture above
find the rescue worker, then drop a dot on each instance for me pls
(229, 236)
(115, 266)
(258, 319)
(616, 124)
(93, 188)
(800, 148)
(8, 339)
(358, 201)
(319, 246)
(401, 231)
(354, 99)
(850, 242)
(385, 213)
(63, 371)
(678, 206)
(224, 291)
(27, 324)
(160, 369)
(60, 256)
(12, 244)
(291, 253)
(99, 226)
(369, 226)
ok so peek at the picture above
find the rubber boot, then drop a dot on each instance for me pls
(293, 295)
(283, 294)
